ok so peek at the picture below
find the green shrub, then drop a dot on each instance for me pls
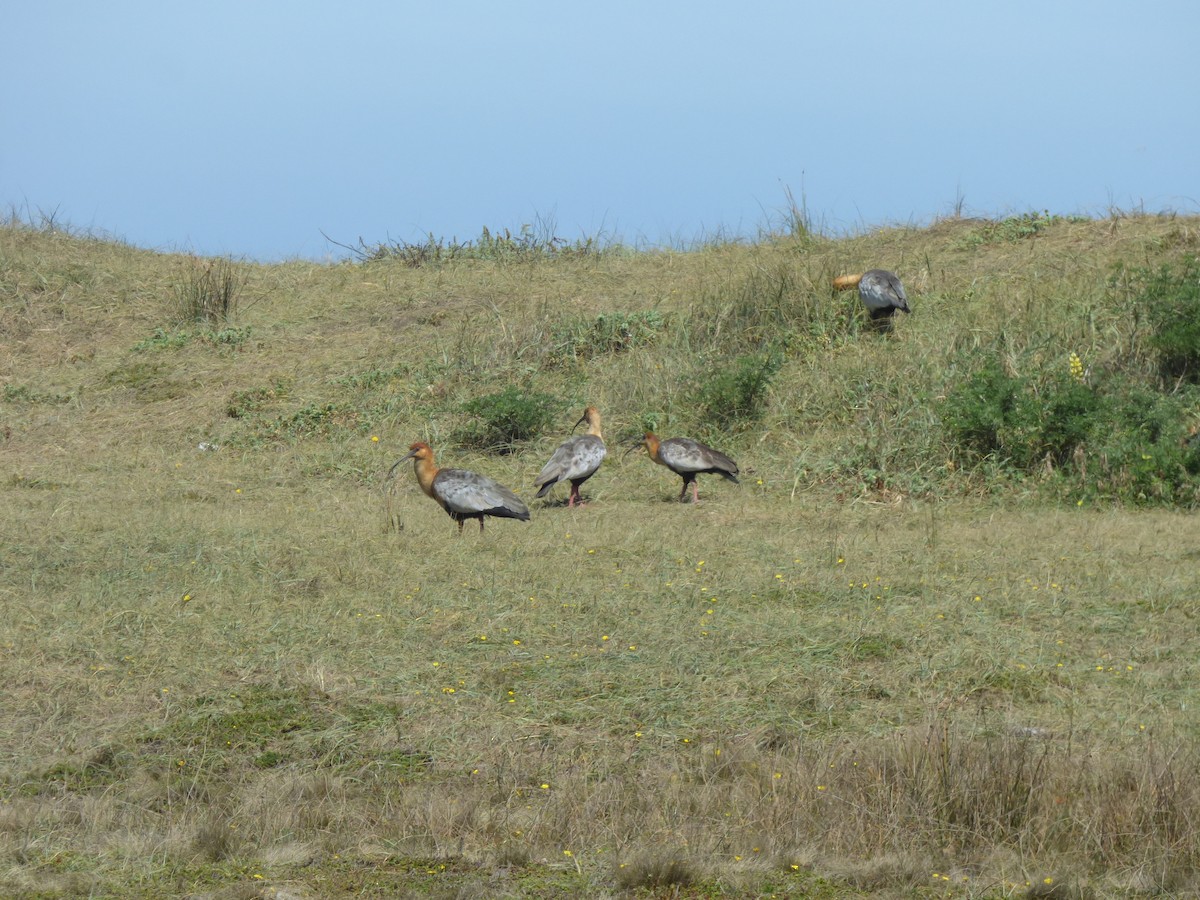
(1119, 439)
(1022, 421)
(1141, 450)
(1065, 416)
(505, 419)
(1172, 303)
(981, 413)
(738, 393)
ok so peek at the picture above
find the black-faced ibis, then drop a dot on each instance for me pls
(463, 494)
(687, 459)
(880, 291)
(576, 459)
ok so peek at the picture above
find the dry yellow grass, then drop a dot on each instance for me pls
(225, 672)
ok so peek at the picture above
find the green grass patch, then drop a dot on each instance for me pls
(23, 394)
(607, 333)
(502, 421)
(1015, 228)
(531, 243)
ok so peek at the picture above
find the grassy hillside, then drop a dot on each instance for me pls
(939, 642)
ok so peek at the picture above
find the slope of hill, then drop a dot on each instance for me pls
(939, 641)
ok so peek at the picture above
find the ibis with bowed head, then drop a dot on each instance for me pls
(880, 291)
(687, 459)
(576, 460)
(463, 494)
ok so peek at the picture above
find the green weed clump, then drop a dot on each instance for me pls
(738, 393)
(529, 244)
(23, 394)
(244, 403)
(1118, 438)
(607, 333)
(1015, 228)
(504, 420)
(1172, 303)
(162, 339)
(312, 420)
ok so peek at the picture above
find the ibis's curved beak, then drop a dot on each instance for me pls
(405, 458)
(635, 443)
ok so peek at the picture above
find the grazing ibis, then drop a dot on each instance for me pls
(881, 293)
(687, 459)
(462, 494)
(576, 459)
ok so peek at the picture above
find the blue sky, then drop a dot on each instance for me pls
(249, 128)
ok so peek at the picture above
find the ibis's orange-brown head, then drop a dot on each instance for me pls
(650, 441)
(426, 469)
(846, 282)
(591, 416)
(419, 450)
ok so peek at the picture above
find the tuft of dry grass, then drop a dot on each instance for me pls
(208, 292)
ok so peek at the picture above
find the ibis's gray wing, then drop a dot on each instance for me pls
(685, 455)
(556, 467)
(470, 494)
(575, 459)
(882, 290)
(586, 455)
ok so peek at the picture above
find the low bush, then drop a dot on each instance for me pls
(506, 419)
(738, 393)
(1141, 450)
(982, 412)
(1118, 438)
(1172, 305)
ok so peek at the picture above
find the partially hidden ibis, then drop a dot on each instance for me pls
(687, 459)
(576, 460)
(880, 291)
(461, 493)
